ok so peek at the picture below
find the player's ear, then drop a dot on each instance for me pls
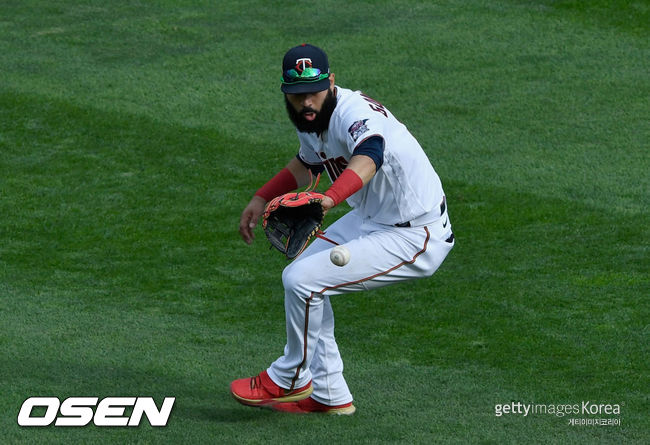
(331, 80)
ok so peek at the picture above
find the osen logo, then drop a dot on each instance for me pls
(80, 411)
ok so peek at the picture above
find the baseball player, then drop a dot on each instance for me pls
(398, 228)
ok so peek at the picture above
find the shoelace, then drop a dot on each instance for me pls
(256, 382)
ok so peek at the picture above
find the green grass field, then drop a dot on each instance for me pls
(132, 134)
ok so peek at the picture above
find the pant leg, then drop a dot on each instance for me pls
(326, 367)
(304, 311)
(380, 255)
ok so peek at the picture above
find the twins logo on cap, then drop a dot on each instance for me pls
(302, 64)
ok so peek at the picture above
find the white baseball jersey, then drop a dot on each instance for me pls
(405, 187)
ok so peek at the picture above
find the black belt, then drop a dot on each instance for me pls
(443, 207)
(408, 224)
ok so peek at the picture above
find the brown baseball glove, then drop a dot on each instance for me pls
(291, 220)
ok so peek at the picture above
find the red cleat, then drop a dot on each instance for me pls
(261, 390)
(310, 405)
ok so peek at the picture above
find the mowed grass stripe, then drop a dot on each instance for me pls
(512, 93)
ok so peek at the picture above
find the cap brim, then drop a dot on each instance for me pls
(305, 87)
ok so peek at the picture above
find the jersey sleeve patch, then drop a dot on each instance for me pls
(357, 129)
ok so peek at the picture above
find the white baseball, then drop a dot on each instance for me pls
(340, 255)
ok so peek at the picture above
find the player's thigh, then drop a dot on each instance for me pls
(378, 258)
(341, 231)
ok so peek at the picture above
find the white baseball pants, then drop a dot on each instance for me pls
(380, 255)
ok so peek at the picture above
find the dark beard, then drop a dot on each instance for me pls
(323, 116)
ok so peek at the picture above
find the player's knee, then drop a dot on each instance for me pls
(297, 280)
(429, 271)
(291, 278)
(432, 263)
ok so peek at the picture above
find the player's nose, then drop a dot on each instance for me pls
(307, 100)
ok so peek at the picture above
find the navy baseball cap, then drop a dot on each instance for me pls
(305, 69)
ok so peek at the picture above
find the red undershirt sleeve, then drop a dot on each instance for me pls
(283, 182)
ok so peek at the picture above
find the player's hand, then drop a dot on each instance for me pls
(250, 217)
(327, 203)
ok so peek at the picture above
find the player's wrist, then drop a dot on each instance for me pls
(345, 186)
